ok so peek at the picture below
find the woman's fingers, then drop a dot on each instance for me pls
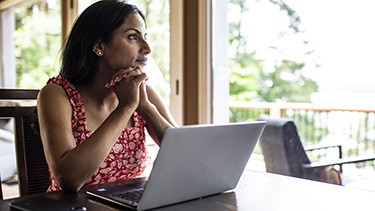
(117, 77)
(124, 74)
(128, 90)
(135, 72)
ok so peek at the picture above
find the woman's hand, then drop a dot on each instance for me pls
(144, 102)
(126, 85)
(147, 102)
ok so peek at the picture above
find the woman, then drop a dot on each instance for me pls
(92, 116)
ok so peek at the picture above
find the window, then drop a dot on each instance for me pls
(318, 53)
(280, 51)
(31, 38)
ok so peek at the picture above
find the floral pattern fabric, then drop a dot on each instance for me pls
(128, 157)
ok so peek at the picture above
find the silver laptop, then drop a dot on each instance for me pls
(193, 162)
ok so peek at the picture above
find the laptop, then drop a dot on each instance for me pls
(192, 162)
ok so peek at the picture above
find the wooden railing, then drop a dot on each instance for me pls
(353, 128)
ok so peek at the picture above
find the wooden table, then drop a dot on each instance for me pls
(255, 191)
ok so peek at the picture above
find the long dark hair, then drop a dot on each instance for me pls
(98, 21)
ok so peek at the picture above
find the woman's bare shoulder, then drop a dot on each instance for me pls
(52, 91)
(52, 95)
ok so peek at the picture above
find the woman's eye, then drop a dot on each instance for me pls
(132, 36)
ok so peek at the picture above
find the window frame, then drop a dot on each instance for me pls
(191, 75)
(190, 59)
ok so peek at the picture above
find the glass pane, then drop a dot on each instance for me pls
(315, 53)
(280, 51)
(37, 39)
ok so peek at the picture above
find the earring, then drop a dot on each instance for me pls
(100, 53)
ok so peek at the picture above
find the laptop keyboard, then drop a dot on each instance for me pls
(132, 195)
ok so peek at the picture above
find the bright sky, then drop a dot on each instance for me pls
(341, 32)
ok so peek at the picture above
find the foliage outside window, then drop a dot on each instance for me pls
(269, 71)
(38, 42)
(270, 75)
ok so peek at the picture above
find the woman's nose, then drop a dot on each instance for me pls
(145, 48)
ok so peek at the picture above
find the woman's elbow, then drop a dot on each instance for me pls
(69, 184)
(70, 188)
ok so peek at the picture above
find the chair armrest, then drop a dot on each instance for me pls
(339, 161)
(321, 146)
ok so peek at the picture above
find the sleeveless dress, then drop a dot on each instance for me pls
(128, 157)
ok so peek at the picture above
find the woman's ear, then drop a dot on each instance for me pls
(98, 48)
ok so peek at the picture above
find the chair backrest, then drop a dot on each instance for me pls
(282, 148)
(32, 168)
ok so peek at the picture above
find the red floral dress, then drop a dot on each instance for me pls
(128, 157)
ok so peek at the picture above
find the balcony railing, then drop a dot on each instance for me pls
(353, 128)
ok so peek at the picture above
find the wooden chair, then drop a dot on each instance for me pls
(284, 153)
(32, 168)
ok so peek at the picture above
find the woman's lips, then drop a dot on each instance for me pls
(142, 61)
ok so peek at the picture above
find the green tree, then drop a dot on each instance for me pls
(254, 79)
(38, 41)
(248, 78)
(286, 83)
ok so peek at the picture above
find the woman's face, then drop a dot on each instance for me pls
(128, 47)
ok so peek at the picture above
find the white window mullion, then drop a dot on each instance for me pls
(220, 61)
(8, 49)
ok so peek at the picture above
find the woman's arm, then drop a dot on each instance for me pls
(151, 106)
(73, 165)
(155, 112)
(156, 99)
